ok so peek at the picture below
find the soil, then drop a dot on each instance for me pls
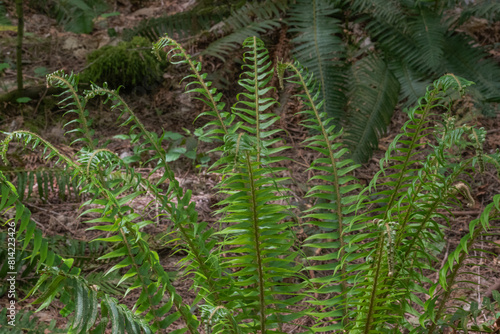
(47, 48)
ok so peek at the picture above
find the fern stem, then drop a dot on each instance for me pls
(256, 232)
(143, 283)
(451, 279)
(413, 144)
(374, 286)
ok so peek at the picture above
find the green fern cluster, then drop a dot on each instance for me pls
(367, 55)
(404, 45)
(372, 247)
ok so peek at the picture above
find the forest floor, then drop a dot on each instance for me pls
(48, 48)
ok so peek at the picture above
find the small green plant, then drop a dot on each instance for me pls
(3, 66)
(371, 246)
(178, 145)
(129, 64)
(23, 99)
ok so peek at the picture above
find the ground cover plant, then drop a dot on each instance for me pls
(364, 267)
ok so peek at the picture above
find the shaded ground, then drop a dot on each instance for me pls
(47, 46)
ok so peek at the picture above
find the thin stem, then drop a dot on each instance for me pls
(255, 221)
(19, 47)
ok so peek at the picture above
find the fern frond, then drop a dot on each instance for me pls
(259, 238)
(398, 43)
(117, 217)
(28, 323)
(335, 207)
(85, 306)
(35, 251)
(252, 105)
(319, 48)
(448, 275)
(259, 11)
(48, 180)
(177, 205)
(69, 82)
(368, 118)
(23, 263)
(260, 254)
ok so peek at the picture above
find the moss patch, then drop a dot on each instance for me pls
(129, 64)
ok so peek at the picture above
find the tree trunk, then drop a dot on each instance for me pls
(19, 49)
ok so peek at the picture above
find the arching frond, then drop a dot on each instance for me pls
(222, 121)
